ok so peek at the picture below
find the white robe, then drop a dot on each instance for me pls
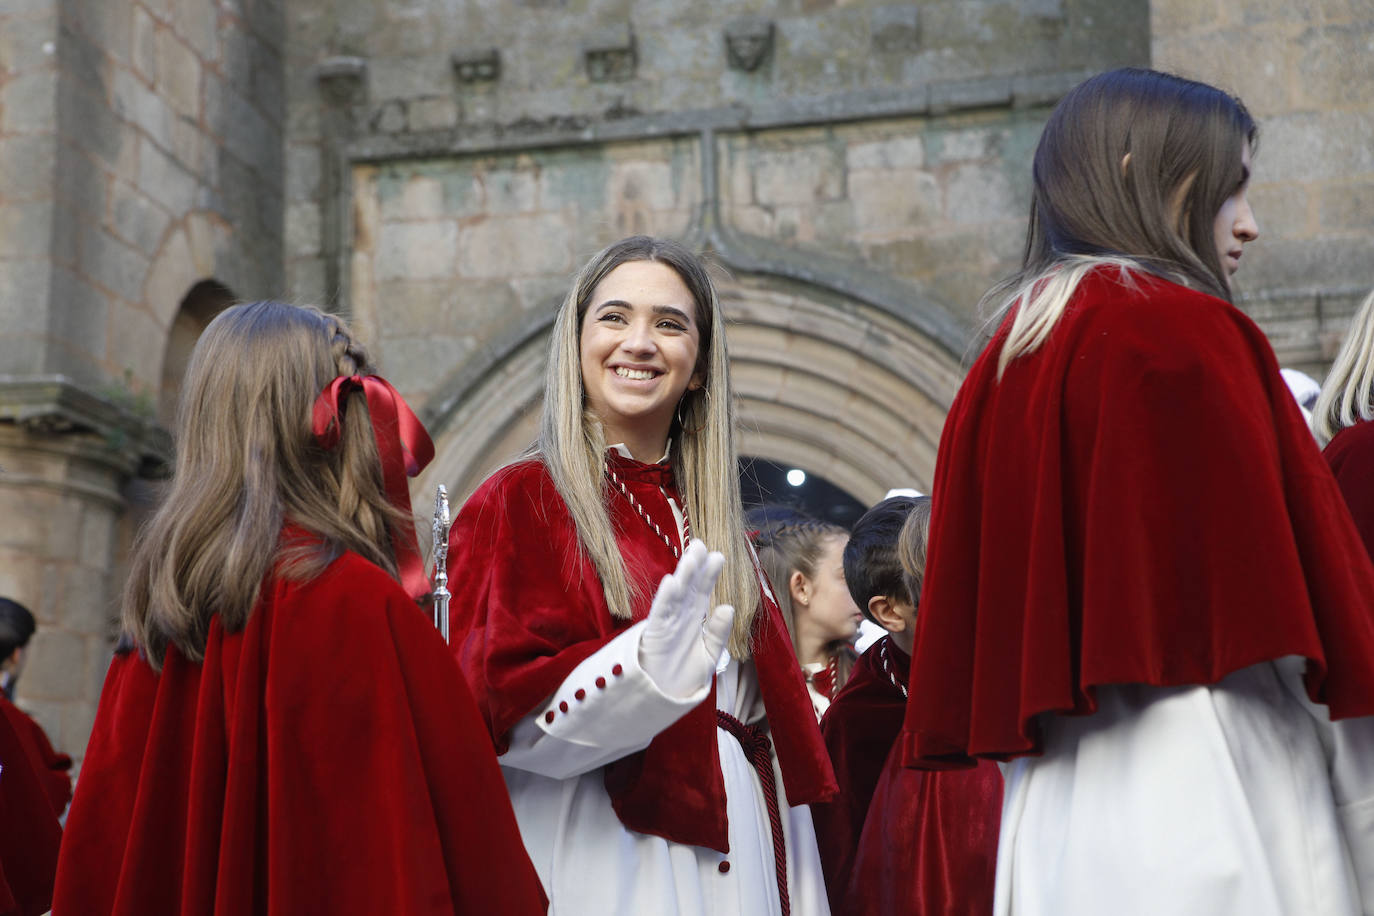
(1235, 798)
(588, 861)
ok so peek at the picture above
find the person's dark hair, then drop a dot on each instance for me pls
(871, 566)
(1131, 170)
(1184, 140)
(16, 627)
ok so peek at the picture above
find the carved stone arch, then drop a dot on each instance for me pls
(835, 386)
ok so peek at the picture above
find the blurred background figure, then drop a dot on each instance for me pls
(1341, 420)
(804, 560)
(17, 627)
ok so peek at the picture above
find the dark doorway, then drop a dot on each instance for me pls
(764, 482)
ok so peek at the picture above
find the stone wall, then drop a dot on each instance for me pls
(1306, 70)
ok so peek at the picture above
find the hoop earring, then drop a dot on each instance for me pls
(682, 422)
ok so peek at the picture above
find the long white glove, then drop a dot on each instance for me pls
(684, 635)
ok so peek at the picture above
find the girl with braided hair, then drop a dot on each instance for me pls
(652, 723)
(281, 729)
(804, 559)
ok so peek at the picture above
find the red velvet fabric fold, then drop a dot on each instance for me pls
(528, 607)
(29, 830)
(929, 843)
(1350, 455)
(1137, 501)
(897, 841)
(327, 759)
(859, 728)
(50, 766)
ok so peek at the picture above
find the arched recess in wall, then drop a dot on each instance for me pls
(836, 387)
(199, 306)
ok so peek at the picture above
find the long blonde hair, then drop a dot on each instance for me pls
(246, 462)
(572, 446)
(1347, 395)
(1130, 172)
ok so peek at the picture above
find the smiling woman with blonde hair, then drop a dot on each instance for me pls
(653, 724)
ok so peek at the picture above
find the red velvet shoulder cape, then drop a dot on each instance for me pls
(29, 831)
(859, 728)
(50, 766)
(528, 607)
(897, 841)
(1137, 501)
(327, 759)
(1350, 454)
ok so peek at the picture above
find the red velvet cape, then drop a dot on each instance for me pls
(528, 607)
(29, 831)
(929, 843)
(50, 766)
(895, 840)
(326, 759)
(1137, 501)
(859, 728)
(1350, 454)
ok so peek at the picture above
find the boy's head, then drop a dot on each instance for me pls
(873, 567)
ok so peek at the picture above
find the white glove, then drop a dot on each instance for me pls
(684, 636)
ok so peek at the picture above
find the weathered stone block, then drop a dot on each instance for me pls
(26, 43)
(506, 190)
(196, 20)
(891, 153)
(1348, 205)
(515, 246)
(81, 324)
(894, 201)
(178, 74)
(435, 112)
(165, 180)
(1318, 147)
(115, 265)
(25, 229)
(794, 176)
(142, 107)
(144, 56)
(26, 167)
(302, 229)
(1171, 17)
(26, 102)
(23, 312)
(302, 171)
(420, 250)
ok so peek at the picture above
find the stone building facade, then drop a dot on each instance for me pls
(437, 170)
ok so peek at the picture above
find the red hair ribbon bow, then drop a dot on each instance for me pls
(405, 448)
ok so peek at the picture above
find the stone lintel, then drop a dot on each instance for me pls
(55, 405)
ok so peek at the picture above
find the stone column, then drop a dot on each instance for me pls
(66, 460)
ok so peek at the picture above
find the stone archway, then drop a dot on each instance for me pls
(839, 388)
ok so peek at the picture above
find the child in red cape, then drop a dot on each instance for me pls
(898, 841)
(282, 730)
(651, 772)
(1341, 420)
(1144, 591)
